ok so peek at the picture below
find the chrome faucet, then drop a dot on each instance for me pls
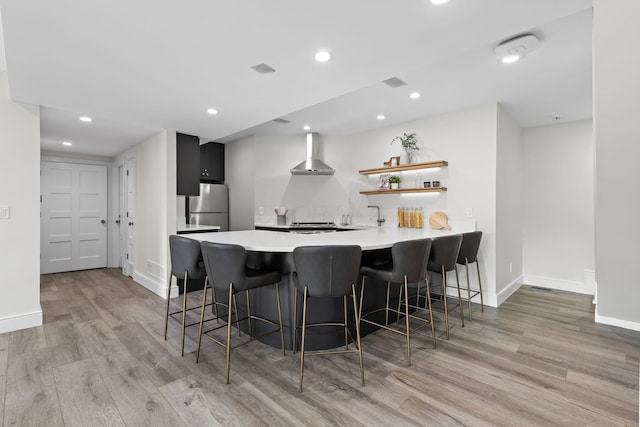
(380, 219)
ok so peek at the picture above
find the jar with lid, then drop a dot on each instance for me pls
(401, 223)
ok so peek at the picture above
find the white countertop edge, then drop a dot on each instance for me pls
(367, 239)
(194, 227)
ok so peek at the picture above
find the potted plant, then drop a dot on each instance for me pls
(394, 181)
(409, 144)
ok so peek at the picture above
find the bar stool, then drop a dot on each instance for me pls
(409, 265)
(469, 255)
(326, 272)
(227, 270)
(442, 259)
(186, 263)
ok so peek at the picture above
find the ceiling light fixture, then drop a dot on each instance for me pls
(439, 1)
(85, 119)
(307, 127)
(67, 143)
(212, 111)
(515, 49)
(414, 95)
(323, 56)
(380, 117)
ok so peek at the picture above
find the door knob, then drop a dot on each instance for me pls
(102, 221)
(130, 222)
(118, 221)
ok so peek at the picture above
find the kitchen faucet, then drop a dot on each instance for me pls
(380, 219)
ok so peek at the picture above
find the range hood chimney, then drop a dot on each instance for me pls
(313, 165)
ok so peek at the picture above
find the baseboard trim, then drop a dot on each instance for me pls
(153, 285)
(21, 321)
(634, 326)
(508, 291)
(558, 284)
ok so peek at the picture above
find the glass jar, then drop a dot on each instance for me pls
(401, 223)
(412, 218)
(419, 218)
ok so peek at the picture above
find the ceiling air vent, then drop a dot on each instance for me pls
(263, 69)
(282, 121)
(394, 82)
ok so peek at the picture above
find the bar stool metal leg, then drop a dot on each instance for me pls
(304, 324)
(346, 332)
(231, 301)
(166, 318)
(357, 322)
(459, 297)
(284, 353)
(184, 309)
(480, 285)
(406, 316)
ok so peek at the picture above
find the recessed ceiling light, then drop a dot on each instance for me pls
(510, 59)
(85, 119)
(307, 127)
(67, 143)
(380, 117)
(439, 1)
(323, 56)
(212, 111)
(414, 95)
(517, 48)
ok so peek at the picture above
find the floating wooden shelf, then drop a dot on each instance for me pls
(406, 190)
(412, 166)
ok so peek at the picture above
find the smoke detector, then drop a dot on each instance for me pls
(515, 49)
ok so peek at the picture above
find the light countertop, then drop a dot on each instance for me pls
(368, 239)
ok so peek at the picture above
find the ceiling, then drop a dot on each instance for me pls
(138, 67)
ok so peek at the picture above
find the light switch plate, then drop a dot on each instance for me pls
(4, 212)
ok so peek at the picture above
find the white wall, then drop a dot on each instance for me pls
(509, 219)
(19, 189)
(240, 159)
(558, 227)
(466, 139)
(155, 210)
(617, 149)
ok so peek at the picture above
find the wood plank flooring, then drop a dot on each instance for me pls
(100, 360)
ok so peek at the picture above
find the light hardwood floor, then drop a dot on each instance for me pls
(100, 359)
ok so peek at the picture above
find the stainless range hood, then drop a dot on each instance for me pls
(313, 165)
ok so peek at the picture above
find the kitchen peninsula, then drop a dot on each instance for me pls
(273, 250)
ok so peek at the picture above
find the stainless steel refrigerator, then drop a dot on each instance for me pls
(211, 207)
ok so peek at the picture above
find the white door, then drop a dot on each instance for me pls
(120, 221)
(73, 217)
(130, 214)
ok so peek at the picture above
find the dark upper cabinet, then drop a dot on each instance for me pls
(188, 164)
(212, 162)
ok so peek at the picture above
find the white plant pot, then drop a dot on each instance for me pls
(394, 185)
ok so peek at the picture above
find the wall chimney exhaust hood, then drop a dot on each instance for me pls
(313, 165)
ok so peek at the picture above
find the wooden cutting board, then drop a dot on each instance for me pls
(439, 220)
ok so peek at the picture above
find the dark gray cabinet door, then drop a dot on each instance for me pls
(212, 162)
(188, 164)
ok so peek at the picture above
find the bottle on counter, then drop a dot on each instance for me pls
(401, 223)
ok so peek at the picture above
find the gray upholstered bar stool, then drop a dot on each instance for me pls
(468, 255)
(442, 259)
(227, 271)
(327, 272)
(186, 263)
(409, 265)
